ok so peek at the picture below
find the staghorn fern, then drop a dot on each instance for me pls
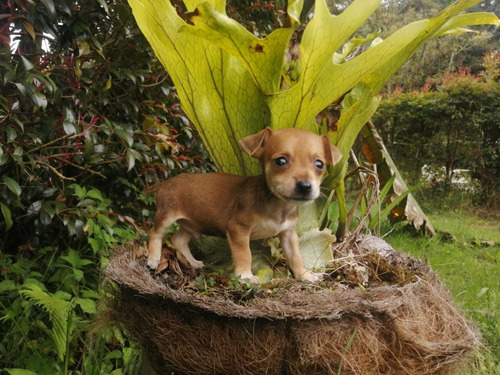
(228, 80)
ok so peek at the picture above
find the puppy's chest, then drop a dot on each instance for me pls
(265, 228)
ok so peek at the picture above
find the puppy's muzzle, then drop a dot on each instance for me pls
(303, 187)
(304, 190)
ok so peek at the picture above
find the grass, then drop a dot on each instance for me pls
(469, 270)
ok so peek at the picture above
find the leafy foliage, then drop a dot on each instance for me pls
(47, 307)
(232, 83)
(71, 114)
(59, 309)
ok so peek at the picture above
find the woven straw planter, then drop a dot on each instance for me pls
(410, 327)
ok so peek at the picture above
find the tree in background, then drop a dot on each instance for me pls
(438, 56)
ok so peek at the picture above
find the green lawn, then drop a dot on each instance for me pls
(470, 271)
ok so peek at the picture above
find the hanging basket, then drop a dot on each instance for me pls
(401, 322)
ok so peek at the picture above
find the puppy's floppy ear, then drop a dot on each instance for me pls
(332, 153)
(254, 144)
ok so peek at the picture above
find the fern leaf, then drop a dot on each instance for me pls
(59, 307)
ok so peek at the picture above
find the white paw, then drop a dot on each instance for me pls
(249, 277)
(311, 277)
(196, 264)
(153, 262)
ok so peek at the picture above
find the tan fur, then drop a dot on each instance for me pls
(246, 208)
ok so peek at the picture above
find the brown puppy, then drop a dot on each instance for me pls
(247, 208)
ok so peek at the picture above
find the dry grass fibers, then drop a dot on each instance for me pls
(399, 320)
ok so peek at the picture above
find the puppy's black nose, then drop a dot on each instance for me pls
(303, 187)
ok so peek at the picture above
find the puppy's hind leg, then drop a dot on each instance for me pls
(161, 223)
(180, 240)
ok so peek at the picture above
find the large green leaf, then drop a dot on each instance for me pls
(7, 215)
(294, 9)
(323, 81)
(361, 103)
(263, 58)
(216, 91)
(323, 36)
(469, 19)
(12, 185)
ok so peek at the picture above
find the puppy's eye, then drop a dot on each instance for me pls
(281, 161)
(319, 164)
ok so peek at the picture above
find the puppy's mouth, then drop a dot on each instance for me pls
(301, 199)
(296, 199)
(298, 196)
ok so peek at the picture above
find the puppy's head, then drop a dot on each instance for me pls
(294, 161)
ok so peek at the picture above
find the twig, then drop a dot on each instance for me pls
(86, 169)
(156, 83)
(356, 163)
(356, 170)
(51, 142)
(62, 154)
(4, 118)
(373, 199)
(58, 147)
(55, 171)
(377, 197)
(364, 188)
(361, 194)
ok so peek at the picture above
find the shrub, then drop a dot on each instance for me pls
(96, 109)
(453, 126)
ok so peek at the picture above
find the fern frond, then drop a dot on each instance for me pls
(59, 307)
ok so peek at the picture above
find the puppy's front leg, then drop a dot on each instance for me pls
(239, 241)
(290, 245)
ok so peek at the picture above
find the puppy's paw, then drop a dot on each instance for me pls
(196, 264)
(153, 263)
(249, 277)
(253, 279)
(311, 277)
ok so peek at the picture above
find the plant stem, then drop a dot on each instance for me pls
(341, 229)
(323, 218)
(68, 340)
